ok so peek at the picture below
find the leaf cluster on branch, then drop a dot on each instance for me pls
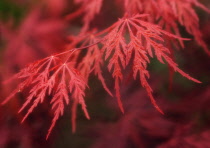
(128, 44)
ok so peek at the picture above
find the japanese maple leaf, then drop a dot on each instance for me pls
(50, 76)
(144, 40)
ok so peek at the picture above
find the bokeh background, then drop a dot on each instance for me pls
(33, 29)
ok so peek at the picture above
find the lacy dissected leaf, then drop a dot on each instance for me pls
(51, 77)
(136, 47)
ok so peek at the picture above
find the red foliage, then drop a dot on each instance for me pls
(143, 38)
(128, 45)
(168, 12)
(51, 77)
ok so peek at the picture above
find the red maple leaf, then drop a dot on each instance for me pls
(144, 39)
